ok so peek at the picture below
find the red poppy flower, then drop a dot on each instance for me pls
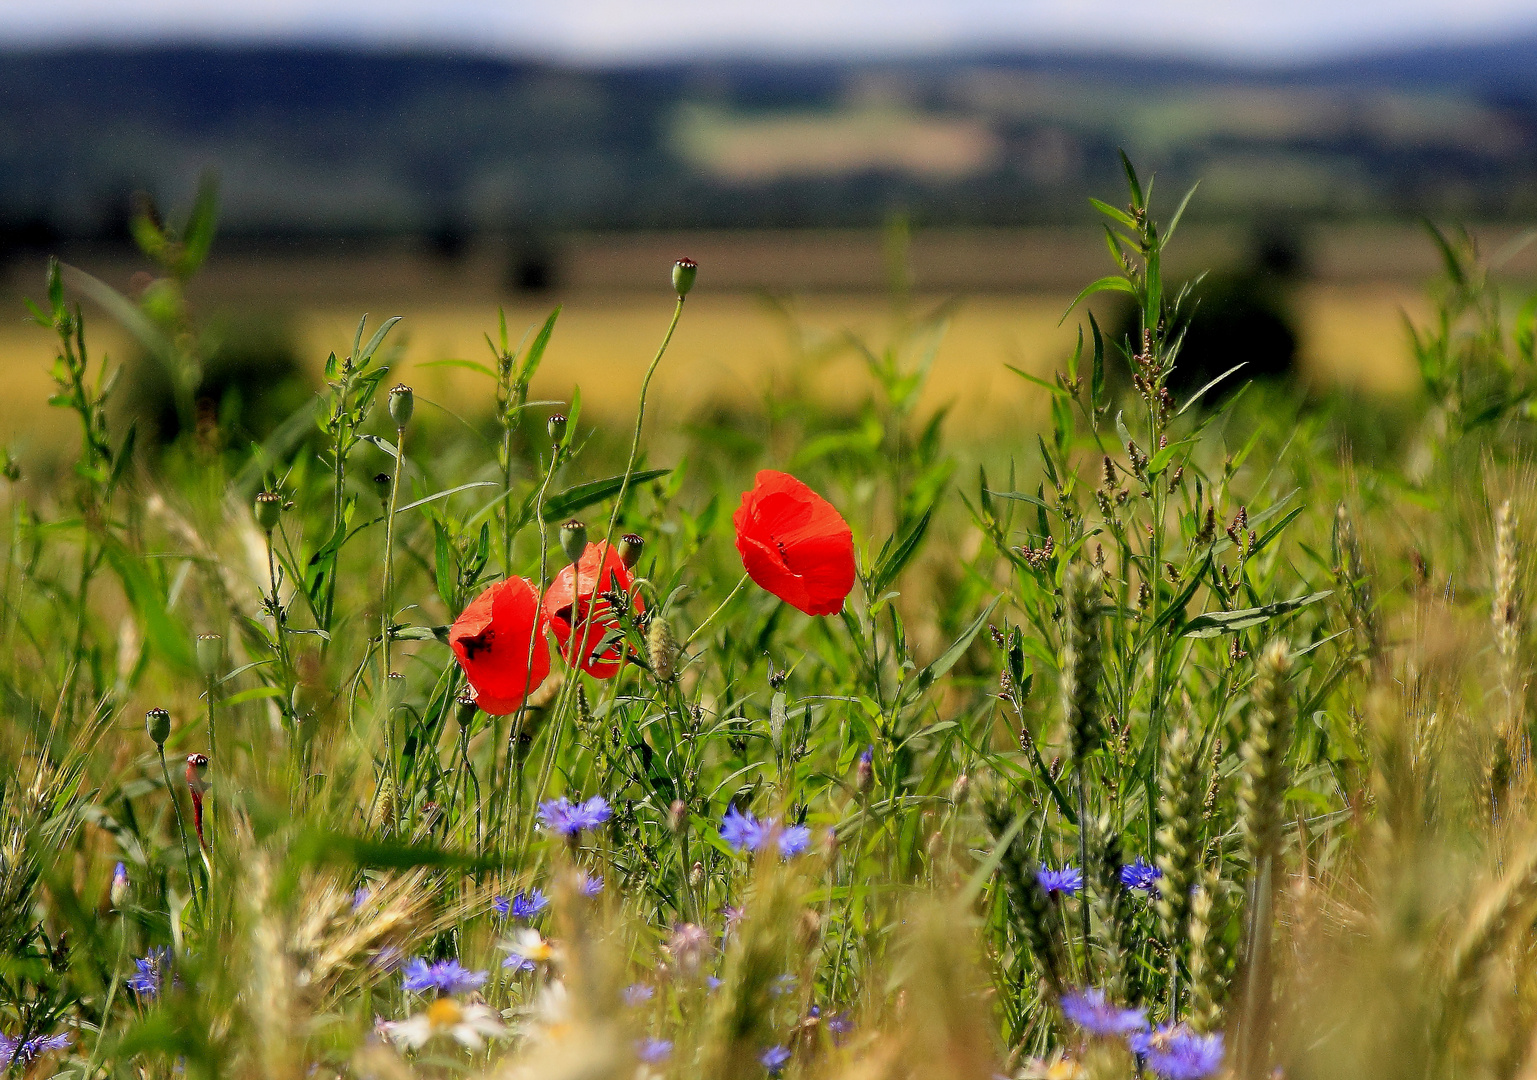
(794, 544)
(574, 602)
(500, 645)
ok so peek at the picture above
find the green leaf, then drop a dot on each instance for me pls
(536, 349)
(1114, 213)
(951, 656)
(445, 493)
(469, 365)
(1226, 622)
(581, 496)
(419, 633)
(1113, 283)
(891, 562)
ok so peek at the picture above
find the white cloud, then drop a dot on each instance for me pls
(639, 28)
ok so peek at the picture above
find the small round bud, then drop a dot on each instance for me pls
(269, 507)
(119, 891)
(210, 654)
(402, 404)
(556, 427)
(466, 706)
(864, 772)
(197, 772)
(684, 271)
(677, 817)
(630, 547)
(157, 723)
(573, 539)
(382, 479)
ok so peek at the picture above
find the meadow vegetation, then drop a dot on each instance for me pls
(1188, 736)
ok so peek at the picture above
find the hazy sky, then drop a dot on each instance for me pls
(608, 29)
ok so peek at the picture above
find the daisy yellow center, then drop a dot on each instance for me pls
(444, 1012)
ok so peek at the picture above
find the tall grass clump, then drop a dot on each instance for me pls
(1174, 742)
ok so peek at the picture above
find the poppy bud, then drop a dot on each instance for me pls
(630, 547)
(556, 427)
(573, 539)
(684, 271)
(197, 773)
(157, 722)
(210, 654)
(402, 404)
(119, 892)
(677, 817)
(269, 507)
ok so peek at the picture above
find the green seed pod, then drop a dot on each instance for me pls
(684, 271)
(663, 650)
(210, 654)
(465, 707)
(269, 507)
(556, 426)
(157, 722)
(573, 539)
(630, 547)
(402, 404)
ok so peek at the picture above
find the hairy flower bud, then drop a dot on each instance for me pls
(677, 817)
(119, 891)
(630, 547)
(157, 722)
(573, 539)
(269, 507)
(684, 271)
(864, 771)
(402, 404)
(663, 650)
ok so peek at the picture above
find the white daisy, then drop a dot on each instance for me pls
(469, 1025)
(527, 944)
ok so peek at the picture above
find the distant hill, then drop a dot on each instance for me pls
(318, 142)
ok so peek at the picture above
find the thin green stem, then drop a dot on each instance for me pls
(386, 617)
(714, 614)
(181, 824)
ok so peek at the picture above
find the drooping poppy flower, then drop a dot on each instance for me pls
(794, 544)
(580, 614)
(500, 645)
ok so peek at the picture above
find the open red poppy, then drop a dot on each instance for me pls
(794, 544)
(584, 622)
(500, 645)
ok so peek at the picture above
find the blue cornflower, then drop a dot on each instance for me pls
(653, 1051)
(118, 892)
(840, 1024)
(782, 985)
(528, 904)
(147, 980)
(14, 1051)
(794, 839)
(590, 885)
(637, 994)
(444, 976)
(359, 897)
(1141, 875)
(1177, 1053)
(711, 982)
(742, 831)
(774, 1059)
(1066, 881)
(567, 818)
(518, 963)
(1089, 1010)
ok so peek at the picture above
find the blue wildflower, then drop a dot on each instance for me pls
(567, 818)
(742, 831)
(774, 1059)
(712, 983)
(653, 1051)
(16, 1052)
(1066, 881)
(1089, 1010)
(444, 976)
(840, 1024)
(501, 905)
(1141, 875)
(528, 904)
(794, 839)
(147, 980)
(1177, 1053)
(359, 897)
(590, 885)
(782, 985)
(637, 994)
(119, 889)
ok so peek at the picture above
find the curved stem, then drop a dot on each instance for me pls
(181, 825)
(729, 597)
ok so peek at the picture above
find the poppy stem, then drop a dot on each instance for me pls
(704, 625)
(387, 605)
(583, 626)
